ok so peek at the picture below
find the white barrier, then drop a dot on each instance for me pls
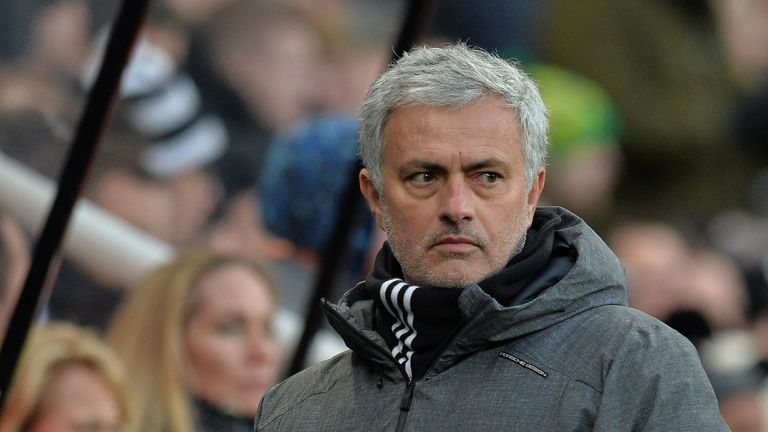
(98, 240)
(94, 239)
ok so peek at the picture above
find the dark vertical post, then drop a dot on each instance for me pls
(95, 118)
(417, 17)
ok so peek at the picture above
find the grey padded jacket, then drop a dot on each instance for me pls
(574, 358)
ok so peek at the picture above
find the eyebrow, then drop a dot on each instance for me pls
(485, 163)
(420, 164)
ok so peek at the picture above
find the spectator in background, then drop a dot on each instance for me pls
(586, 159)
(310, 161)
(265, 55)
(743, 29)
(256, 64)
(308, 175)
(746, 237)
(654, 255)
(731, 359)
(743, 235)
(67, 379)
(35, 129)
(196, 338)
(667, 276)
(177, 141)
(58, 43)
(21, 92)
(664, 67)
(713, 284)
(14, 264)
(268, 53)
(36, 121)
(359, 43)
(740, 399)
(118, 184)
(153, 169)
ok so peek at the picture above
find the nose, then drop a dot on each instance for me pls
(262, 347)
(457, 201)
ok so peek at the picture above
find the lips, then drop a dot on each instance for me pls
(455, 244)
(455, 240)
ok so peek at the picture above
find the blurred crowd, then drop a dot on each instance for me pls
(233, 143)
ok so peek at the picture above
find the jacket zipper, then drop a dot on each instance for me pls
(407, 397)
(405, 405)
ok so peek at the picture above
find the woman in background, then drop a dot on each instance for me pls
(68, 380)
(196, 338)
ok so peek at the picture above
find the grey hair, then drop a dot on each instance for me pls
(453, 75)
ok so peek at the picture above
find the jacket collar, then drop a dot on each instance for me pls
(588, 276)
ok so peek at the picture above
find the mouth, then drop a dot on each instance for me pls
(455, 245)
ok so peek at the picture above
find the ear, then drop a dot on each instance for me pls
(535, 193)
(371, 195)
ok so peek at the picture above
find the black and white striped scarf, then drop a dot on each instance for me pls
(403, 327)
(415, 321)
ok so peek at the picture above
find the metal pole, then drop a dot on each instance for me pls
(417, 17)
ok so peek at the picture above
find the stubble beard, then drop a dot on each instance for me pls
(418, 270)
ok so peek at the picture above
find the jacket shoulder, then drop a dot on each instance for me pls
(629, 330)
(657, 371)
(590, 345)
(337, 394)
(645, 366)
(315, 380)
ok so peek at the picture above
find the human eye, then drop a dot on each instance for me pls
(421, 178)
(228, 327)
(489, 177)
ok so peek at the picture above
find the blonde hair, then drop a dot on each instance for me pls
(147, 333)
(50, 347)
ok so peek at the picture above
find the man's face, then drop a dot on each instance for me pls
(454, 203)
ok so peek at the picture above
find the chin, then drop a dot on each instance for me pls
(452, 280)
(250, 412)
(467, 274)
(246, 411)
